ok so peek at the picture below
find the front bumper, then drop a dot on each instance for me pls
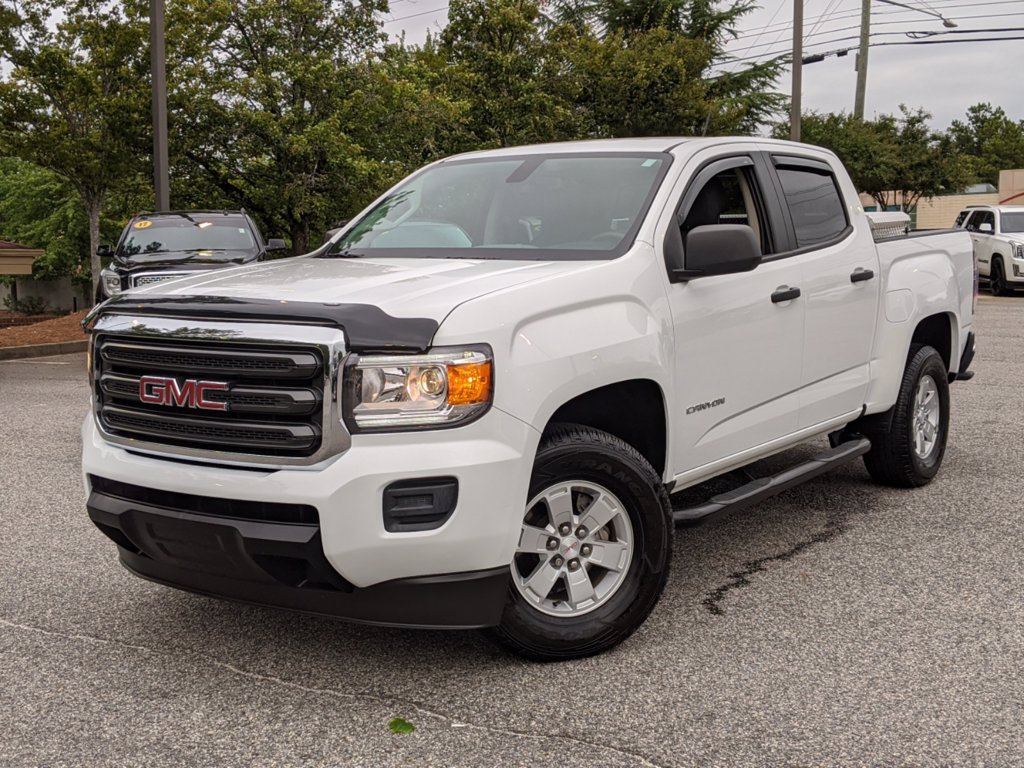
(367, 568)
(282, 565)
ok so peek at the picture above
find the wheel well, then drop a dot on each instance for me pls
(633, 411)
(935, 331)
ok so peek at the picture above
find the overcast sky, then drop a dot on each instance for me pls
(945, 79)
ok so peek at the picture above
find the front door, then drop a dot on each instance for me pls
(738, 342)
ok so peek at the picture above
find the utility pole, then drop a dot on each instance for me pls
(862, 59)
(158, 59)
(798, 63)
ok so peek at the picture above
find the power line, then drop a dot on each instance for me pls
(414, 15)
(884, 12)
(844, 51)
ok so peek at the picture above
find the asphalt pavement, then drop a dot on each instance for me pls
(837, 624)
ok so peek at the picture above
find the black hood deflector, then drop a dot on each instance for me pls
(367, 328)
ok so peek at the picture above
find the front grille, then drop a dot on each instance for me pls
(261, 511)
(272, 396)
(140, 280)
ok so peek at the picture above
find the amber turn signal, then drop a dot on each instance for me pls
(469, 383)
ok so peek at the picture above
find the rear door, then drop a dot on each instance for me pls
(839, 284)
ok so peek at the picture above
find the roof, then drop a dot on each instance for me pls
(222, 212)
(16, 259)
(7, 245)
(644, 144)
(1000, 208)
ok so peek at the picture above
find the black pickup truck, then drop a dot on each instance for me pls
(162, 246)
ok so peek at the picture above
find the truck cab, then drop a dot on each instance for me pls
(469, 408)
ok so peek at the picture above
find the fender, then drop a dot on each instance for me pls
(920, 281)
(566, 335)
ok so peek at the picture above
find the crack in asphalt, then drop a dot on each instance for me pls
(832, 530)
(388, 700)
(835, 526)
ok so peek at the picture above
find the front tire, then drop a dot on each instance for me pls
(594, 550)
(997, 279)
(910, 452)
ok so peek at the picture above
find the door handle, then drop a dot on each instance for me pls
(859, 275)
(785, 293)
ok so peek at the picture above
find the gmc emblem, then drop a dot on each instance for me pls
(191, 393)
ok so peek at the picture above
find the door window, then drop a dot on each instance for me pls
(815, 205)
(961, 220)
(729, 197)
(979, 218)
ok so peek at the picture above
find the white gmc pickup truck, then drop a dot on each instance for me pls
(469, 408)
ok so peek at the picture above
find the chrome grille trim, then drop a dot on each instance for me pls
(149, 278)
(202, 337)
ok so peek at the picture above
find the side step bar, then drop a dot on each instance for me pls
(763, 488)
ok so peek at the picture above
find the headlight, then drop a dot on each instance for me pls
(1018, 250)
(111, 282)
(444, 388)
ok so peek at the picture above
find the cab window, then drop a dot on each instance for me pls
(729, 197)
(815, 205)
(978, 219)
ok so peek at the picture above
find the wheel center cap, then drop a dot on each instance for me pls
(569, 548)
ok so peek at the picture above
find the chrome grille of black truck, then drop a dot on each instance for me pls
(254, 399)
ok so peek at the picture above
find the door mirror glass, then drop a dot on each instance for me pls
(104, 251)
(276, 244)
(719, 249)
(985, 229)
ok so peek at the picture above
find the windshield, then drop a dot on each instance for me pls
(558, 207)
(1013, 222)
(190, 234)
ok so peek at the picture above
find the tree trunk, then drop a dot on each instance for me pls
(93, 207)
(300, 237)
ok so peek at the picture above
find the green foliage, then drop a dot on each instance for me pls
(398, 725)
(511, 75)
(290, 109)
(992, 140)
(891, 158)
(41, 210)
(33, 305)
(75, 98)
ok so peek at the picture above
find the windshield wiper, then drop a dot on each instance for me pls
(346, 254)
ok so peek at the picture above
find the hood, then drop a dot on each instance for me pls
(423, 288)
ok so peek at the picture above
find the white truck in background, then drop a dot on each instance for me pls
(469, 408)
(997, 232)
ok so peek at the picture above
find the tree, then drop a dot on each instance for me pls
(896, 159)
(734, 97)
(75, 98)
(289, 109)
(511, 75)
(993, 141)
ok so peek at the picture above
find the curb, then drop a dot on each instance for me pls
(43, 350)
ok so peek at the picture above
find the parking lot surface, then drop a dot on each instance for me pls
(837, 624)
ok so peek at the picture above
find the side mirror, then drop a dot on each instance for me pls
(335, 228)
(104, 251)
(276, 244)
(719, 249)
(985, 229)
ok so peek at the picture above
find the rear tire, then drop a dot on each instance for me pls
(577, 591)
(910, 452)
(997, 279)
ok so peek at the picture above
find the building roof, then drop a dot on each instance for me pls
(7, 245)
(16, 259)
